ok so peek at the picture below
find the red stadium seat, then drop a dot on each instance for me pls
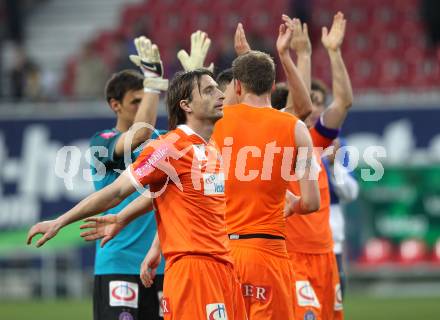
(69, 74)
(363, 72)
(385, 46)
(377, 251)
(436, 252)
(412, 251)
(131, 14)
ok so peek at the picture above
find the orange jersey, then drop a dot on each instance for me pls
(187, 182)
(257, 146)
(311, 233)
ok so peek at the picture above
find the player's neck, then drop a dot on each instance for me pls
(202, 128)
(256, 101)
(122, 125)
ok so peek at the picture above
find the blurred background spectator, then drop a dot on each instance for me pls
(91, 74)
(24, 77)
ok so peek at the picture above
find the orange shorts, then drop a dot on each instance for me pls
(201, 288)
(265, 273)
(318, 292)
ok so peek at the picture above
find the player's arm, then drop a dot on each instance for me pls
(335, 113)
(309, 199)
(302, 104)
(146, 114)
(322, 136)
(150, 167)
(151, 263)
(302, 46)
(97, 202)
(108, 226)
(148, 60)
(200, 44)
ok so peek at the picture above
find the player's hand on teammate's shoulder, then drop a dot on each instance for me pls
(289, 204)
(200, 44)
(149, 61)
(149, 266)
(336, 145)
(101, 227)
(332, 40)
(241, 44)
(48, 229)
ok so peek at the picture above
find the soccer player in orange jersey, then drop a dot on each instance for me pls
(309, 239)
(134, 99)
(259, 146)
(186, 183)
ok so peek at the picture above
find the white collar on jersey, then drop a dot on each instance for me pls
(188, 131)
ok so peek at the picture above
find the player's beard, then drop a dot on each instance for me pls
(217, 115)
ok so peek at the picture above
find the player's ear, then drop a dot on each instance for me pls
(237, 87)
(184, 105)
(273, 87)
(115, 105)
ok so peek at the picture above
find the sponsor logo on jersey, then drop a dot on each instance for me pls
(123, 294)
(256, 292)
(108, 135)
(216, 311)
(125, 316)
(165, 306)
(160, 298)
(338, 298)
(309, 315)
(214, 183)
(146, 166)
(305, 294)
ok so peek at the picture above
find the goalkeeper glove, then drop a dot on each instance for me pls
(148, 60)
(199, 48)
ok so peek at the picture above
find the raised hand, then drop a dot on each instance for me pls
(240, 42)
(48, 229)
(200, 44)
(333, 40)
(148, 60)
(149, 266)
(284, 38)
(300, 40)
(102, 227)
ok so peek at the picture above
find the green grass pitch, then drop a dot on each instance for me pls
(356, 308)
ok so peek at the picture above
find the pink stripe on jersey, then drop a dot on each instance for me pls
(108, 135)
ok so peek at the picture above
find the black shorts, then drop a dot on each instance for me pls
(123, 297)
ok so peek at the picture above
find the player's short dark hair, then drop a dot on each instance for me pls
(180, 88)
(255, 70)
(224, 78)
(121, 82)
(319, 85)
(279, 96)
